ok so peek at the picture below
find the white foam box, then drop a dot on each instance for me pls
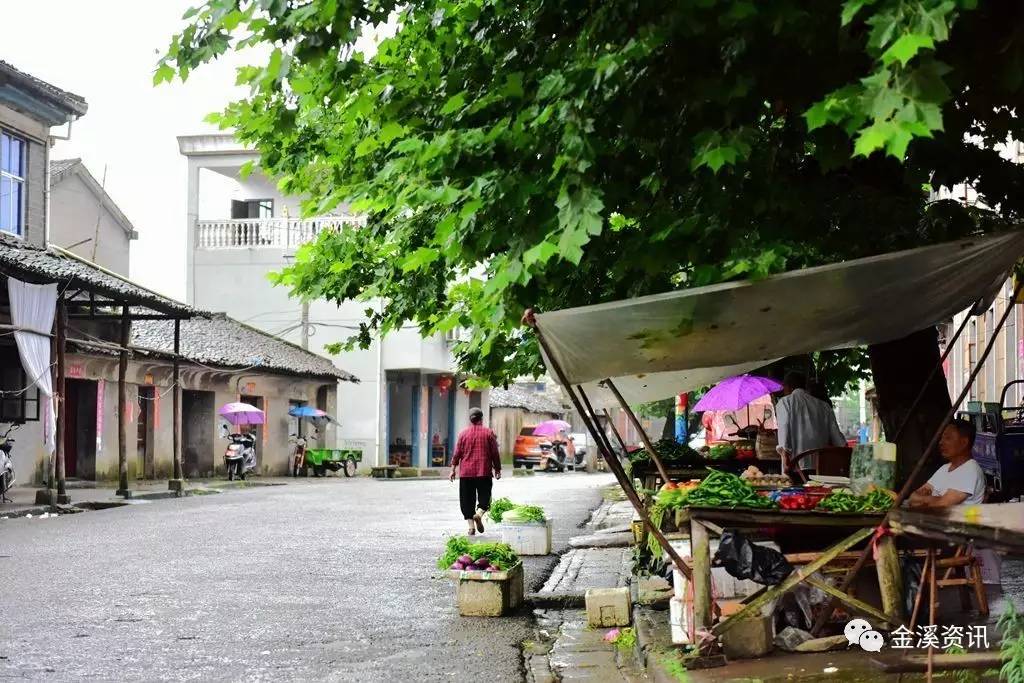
(680, 612)
(724, 585)
(528, 538)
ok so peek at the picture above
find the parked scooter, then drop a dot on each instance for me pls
(298, 455)
(554, 460)
(6, 463)
(240, 456)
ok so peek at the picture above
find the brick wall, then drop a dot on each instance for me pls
(35, 189)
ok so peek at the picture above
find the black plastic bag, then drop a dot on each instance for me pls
(744, 560)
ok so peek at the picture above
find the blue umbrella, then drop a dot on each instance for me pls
(306, 411)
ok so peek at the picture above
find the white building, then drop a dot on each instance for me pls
(85, 220)
(409, 404)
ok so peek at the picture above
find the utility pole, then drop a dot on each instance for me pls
(99, 215)
(305, 325)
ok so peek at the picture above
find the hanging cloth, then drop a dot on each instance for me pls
(33, 308)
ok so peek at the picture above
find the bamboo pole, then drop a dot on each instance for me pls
(618, 437)
(643, 434)
(933, 605)
(905, 490)
(620, 473)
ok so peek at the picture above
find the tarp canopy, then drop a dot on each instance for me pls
(657, 346)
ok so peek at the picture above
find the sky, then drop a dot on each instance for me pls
(105, 51)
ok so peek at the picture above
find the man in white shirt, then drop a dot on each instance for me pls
(961, 481)
(805, 422)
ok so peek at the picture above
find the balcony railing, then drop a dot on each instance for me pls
(269, 233)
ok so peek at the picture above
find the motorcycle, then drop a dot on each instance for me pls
(6, 463)
(554, 460)
(298, 455)
(240, 456)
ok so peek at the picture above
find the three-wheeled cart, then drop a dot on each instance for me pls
(320, 460)
(999, 445)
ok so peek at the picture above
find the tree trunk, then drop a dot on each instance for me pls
(900, 368)
(668, 431)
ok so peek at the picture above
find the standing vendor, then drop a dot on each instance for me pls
(805, 422)
(960, 481)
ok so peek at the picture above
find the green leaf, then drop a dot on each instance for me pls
(389, 131)
(539, 253)
(419, 259)
(454, 103)
(906, 47)
(872, 138)
(851, 8)
(366, 146)
(163, 73)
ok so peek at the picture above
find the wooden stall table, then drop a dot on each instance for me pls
(650, 479)
(999, 526)
(703, 520)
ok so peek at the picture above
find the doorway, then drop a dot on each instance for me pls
(144, 433)
(197, 433)
(255, 430)
(80, 417)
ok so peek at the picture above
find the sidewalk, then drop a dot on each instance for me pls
(87, 496)
(566, 648)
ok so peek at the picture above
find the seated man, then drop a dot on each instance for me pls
(961, 481)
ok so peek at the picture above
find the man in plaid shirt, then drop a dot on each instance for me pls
(476, 456)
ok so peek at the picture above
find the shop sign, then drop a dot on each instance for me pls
(148, 379)
(75, 370)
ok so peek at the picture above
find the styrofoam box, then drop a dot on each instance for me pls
(528, 538)
(679, 614)
(723, 585)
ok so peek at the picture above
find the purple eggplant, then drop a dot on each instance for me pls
(466, 560)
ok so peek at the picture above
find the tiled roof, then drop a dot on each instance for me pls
(69, 101)
(519, 397)
(58, 167)
(223, 342)
(35, 264)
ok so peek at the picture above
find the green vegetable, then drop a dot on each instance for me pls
(841, 501)
(721, 489)
(500, 555)
(500, 507)
(672, 454)
(722, 451)
(530, 513)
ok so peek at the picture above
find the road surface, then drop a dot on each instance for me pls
(318, 580)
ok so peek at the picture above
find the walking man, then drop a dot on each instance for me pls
(476, 457)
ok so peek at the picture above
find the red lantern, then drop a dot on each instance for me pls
(444, 383)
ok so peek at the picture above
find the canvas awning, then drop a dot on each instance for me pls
(657, 346)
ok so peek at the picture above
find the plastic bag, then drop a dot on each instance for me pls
(744, 560)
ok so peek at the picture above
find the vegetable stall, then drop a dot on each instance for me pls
(639, 350)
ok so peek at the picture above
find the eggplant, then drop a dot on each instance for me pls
(482, 562)
(466, 560)
(457, 565)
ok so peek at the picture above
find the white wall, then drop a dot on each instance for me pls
(73, 213)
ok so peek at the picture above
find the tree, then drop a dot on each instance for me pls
(585, 152)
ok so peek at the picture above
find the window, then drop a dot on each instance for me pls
(17, 404)
(252, 208)
(12, 183)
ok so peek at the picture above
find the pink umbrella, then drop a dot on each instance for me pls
(736, 392)
(242, 414)
(551, 428)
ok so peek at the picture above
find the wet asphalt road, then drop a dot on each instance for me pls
(319, 580)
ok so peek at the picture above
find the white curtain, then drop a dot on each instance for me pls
(33, 308)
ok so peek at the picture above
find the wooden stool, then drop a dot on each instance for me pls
(965, 561)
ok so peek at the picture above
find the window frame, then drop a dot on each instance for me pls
(21, 181)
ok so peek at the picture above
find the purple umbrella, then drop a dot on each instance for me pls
(736, 392)
(242, 414)
(551, 428)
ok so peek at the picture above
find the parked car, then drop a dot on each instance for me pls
(529, 450)
(582, 442)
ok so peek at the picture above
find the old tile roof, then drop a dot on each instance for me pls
(519, 397)
(224, 342)
(72, 103)
(53, 264)
(62, 168)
